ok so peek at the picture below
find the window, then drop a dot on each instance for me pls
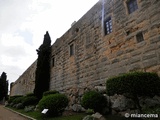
(108, 26)
(71, 49)
(132, 6)
(53, 62)
(139, 37)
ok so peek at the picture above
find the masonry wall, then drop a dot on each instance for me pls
(98, 56)
(25, 83)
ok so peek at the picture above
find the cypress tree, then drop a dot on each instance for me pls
(3, 86)
(42, 77)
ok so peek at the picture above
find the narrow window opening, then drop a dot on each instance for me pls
(108, 26)
(139, 37)
(132, 6)
(71, 49)
(53, 62)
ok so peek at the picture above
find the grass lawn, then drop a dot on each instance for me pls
(39, 116)
(75, 116)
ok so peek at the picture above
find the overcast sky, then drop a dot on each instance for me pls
(23, 24)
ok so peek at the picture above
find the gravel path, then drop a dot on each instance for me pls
(9, 115)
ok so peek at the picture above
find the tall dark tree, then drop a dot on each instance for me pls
(42, 77)
(3, 86)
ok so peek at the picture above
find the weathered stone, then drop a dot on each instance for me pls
(77, 108)
(152, 102)
(150, 62)
(98, 116)
(121, 103)
(100, 88)
(88, 117)
(19, 106)
(157, 98)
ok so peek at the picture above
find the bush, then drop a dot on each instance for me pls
(90, 111)
(30, 100)
(134, 85)
(50, 92)
(56, 104)
(30, 94)
(139, 83)
(94, 100)
(13, 97)
(18, 100)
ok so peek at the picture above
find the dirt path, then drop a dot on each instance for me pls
(9, 115)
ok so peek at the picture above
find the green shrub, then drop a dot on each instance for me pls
(94, 100)
(56, 104)
(13, 97)
(90, 111)
(50, 92)
(18, 100)
(30, 94)
(30, 100)
(134, 85)
(140, 83)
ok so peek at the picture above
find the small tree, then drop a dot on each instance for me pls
(42, 77)
(134, 85)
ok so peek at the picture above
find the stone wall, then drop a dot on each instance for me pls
(98, 56)
(25, 83)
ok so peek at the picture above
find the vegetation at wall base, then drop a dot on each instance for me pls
(50, 92)
(134, 85)
(29, 100)
(94, 100)
(42, 77)
(12, 98)
(30, 94)
(39, 116)
(18, 100)
(77, 116)
(56, 104)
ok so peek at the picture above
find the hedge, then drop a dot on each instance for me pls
(135, 83)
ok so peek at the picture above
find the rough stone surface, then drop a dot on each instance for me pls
(77, 108)
(88, 117)
(25, 83)
(98, 56)
(98, 116)
(121, 103)
(148, 102)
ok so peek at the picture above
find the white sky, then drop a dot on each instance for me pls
(23, 24)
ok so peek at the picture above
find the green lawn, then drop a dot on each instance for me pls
(77, 116)
(39, 116)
